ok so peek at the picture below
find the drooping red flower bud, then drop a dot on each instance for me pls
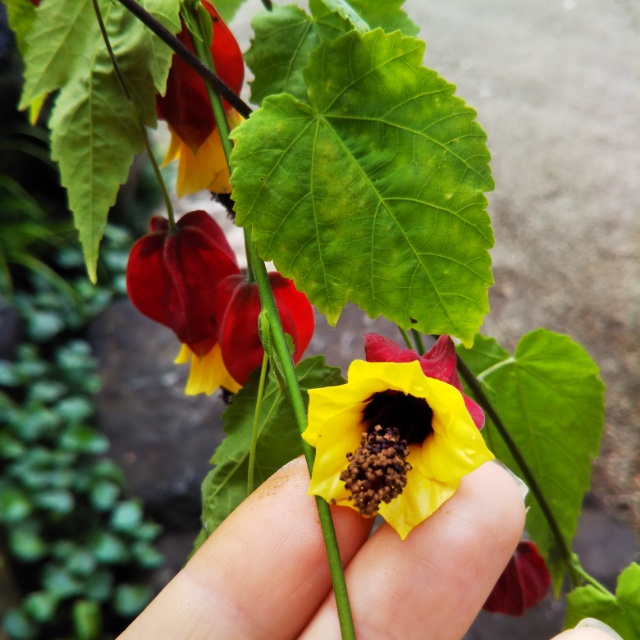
(524, 582)
(172, 277)
(185, 105)
(237, 309)
(439, 363)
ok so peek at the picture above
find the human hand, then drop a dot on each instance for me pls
(263, 573)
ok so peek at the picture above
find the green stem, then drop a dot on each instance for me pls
(256, 419)
(417, 338)
(281, 350)
(143, 131)
(529, 477)
(405, 337)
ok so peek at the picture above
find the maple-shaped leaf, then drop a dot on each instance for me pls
(95, 129)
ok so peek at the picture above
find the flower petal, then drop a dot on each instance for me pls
(440, 362)
(524, 582)
(208, 373)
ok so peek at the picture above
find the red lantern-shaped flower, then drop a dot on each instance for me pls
(524, 582)
(439, 363)
(172, 277)
(237, 311)
(195, 140)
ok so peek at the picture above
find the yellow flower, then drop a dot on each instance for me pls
(391, 441)
(206, 373)
(205, 168)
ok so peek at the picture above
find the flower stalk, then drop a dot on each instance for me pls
(256, 420)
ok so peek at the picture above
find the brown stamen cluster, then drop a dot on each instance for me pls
(377, 471)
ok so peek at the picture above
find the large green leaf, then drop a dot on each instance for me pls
(550, 398)
(95, 130)
(621, 613)
(374, 192)
(225, 486)
(278, 69)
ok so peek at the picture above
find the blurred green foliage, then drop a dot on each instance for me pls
(74, 546)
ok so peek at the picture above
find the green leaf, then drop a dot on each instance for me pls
(87, 620)
(95, 129)
(84, 439)
(225, 487)
(127, 516)
(278, 69)
(21, 16)
(59, 582)
(18, 626)
(621, 613)
(14, 505)
(25, 541)
(40, 605)
(374, 193)
(131, 599)
(386, 15)
(550, 398)
(55, 500)
(228, 8)
(99, 586)
(628, 593)
(108, 548)
(346, 11)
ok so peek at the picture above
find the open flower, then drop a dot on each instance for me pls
(524, 582)
(391, 441)
(195, 140)
(172, 277)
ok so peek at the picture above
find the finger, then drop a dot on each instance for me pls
(434, 583)
(584, 634)
(262, 574)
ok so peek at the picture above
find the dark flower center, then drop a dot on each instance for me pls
(393, 409)
(377, 470)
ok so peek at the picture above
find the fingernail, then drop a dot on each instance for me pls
(592, 623)
(524, 490)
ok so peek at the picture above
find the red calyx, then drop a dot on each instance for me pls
(524, 582)
(237, 309)
(172, 277)
(439, 362)
(185, 105)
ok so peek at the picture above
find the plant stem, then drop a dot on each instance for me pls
(194, 62)
(256, 419)
(281, 348)
(417, 338)
(405, 337)
(479, 394)
(143, 131)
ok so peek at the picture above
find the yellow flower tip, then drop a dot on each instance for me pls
(207, 373)
(391, 441)
(203, 168)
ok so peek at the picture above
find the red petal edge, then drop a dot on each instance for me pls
(439, 363)
(524, 582)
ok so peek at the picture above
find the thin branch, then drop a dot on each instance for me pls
(201, 69)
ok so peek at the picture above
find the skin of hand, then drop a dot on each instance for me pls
(263, 573)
